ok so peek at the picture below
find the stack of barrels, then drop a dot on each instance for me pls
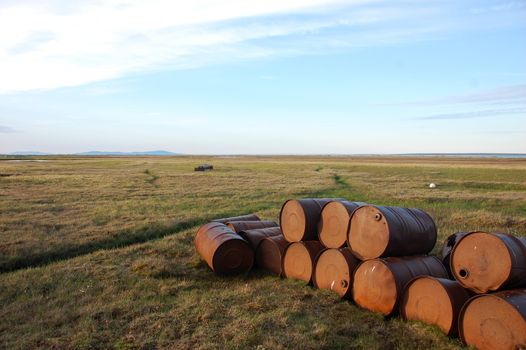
(491, 268)
(378, 257)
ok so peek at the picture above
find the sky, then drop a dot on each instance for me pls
(263, 77)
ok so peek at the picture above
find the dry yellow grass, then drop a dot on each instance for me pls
(98, 252)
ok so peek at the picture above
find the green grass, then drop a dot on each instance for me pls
(98, 252)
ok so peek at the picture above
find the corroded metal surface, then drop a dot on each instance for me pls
(223, 250)
(298, 262)
(377, 231)
(256, 235)
(334, 222)
(248, 217)
(436, 301)
(238, 226)
(379, 283)
(447, 247)
(495, 321)
(485, 262)
(299, 218)
(270, 252)
(334, 269)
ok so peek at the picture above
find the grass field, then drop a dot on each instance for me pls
(98, 252)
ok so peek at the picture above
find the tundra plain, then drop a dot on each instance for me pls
(97, 252)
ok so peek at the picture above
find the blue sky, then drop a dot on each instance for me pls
(263, 77)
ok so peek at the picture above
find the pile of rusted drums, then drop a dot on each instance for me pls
(378, 257)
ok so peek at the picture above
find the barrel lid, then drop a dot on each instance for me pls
(426, 299)
(490, 322)
(269, 256)
(481, 261)
(368, 234)
(334, 221)
(297, 262)
(332, 272)
(232, 257)
(374, 287)
(293, 221)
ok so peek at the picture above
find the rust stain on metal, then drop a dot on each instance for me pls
(495, 321)
(334, 269)
(223, 250)
(238, 226)
(436, 301)
(248, 217)
(270, 252)
(255, 236)
(299, 218)
(485, 262)
(377, 231)
(447, 247)
(334, 222)
(379, 283)
(298, 261)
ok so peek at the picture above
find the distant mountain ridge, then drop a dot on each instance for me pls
(98, 153)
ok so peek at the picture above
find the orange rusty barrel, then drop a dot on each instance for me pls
(238, 226)
(447, 247)
(334, 222)
(495, 321)
(270, 252)
(298, 260)
(249, 217)
(299, 218)
(376, 231)
(256, 235)
(436, 301)
(334, 269)
(224, 250)
(485, 262)
(379, 283)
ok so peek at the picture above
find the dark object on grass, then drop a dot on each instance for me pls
(204, 167)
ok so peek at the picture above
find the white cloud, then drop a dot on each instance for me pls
(52, 44)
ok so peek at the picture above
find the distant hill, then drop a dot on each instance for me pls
(147, 153)
(98, 153)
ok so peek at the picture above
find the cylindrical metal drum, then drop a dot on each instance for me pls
(435, 301)
(334, 269)
(270, 252)
(238, 226)
(299, 218)
(334, 222)
(485, 262)
(495, 321)
(447, 247)
(379, 283)
(377, 231)
(248, 217)
(255, 236)
(298, 261)
(223, 250)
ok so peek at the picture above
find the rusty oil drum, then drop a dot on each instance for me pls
(495, 321)
(334, 270)
(377, 231)
(270, 252)
(379, 283)
(435, 301)
(334, 222)
(254, 236)
(248, 217)
(223, 250)
(447, 247)
(238, 226)
(299, 218)
(485, 262)
(298, 260)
